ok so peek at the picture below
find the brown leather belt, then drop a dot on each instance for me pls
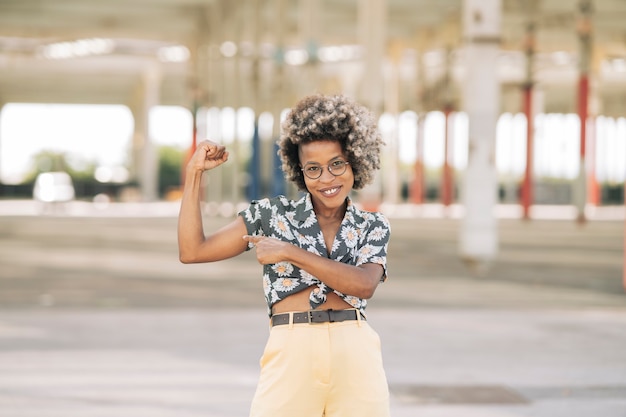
(317, 316)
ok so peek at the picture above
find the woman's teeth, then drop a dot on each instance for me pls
(330, 191)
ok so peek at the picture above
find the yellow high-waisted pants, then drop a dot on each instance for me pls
(322, 370)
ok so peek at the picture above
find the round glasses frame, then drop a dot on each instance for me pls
(336, 168)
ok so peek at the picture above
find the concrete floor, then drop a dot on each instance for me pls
(98, 318)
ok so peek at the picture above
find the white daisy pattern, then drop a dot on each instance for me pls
(283, 269)
(310, 221)
(349, 236)
(362, 238)
(367, 253)
(279, 224)
(308, 279)
(377, 234)
(286, 284)
(265, 204)
(305, 240)
(267, 284)
(314, 250)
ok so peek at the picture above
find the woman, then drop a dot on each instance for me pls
(322, 259)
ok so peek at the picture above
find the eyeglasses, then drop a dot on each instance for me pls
(336, 167)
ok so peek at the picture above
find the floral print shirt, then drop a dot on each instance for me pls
(362, 238)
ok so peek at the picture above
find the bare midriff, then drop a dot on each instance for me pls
(300, 302)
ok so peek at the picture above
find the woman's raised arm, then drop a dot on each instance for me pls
(193, 245)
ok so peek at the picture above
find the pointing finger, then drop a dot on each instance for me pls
(252, 239)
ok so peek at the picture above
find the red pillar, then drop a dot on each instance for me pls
(526, 196)
(593, 188)
(583, 99)
(527, 190)
(447, 180)
(417, 191)
(584, 34)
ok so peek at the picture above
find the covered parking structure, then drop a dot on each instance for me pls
(481, 57)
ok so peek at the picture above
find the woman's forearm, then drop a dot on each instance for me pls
(358, 281)
(190, 227)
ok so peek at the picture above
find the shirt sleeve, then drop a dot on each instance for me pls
(375, 244)
(253, 218)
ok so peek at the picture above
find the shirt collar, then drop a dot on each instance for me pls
(304, 207)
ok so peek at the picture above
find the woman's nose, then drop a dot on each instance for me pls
(326, 176)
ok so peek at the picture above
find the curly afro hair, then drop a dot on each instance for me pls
(334, 118)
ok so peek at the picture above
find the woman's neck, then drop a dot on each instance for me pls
(330, 215)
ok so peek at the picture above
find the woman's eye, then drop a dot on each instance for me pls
(337, 164)
(312, 169)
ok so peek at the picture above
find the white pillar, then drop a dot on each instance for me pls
(372, 22)
(2, 179)
(279, 96)
(148, 173)
(391, 162)
(478, 234)
(309, 13)
(372, 25)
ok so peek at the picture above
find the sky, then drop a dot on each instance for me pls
(102, 134)
(86, 133)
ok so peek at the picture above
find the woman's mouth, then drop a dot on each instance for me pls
(329, 192)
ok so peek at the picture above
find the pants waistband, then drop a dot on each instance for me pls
(316, 316)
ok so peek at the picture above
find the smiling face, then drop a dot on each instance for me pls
(328, 192)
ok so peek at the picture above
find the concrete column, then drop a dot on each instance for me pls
(225, 183)
(372, 26)
(258, 175)
(478, 233)
(527, 90)
(197, 63)
(418, 185)
(215, 72)
(450, 34)
(372, 23)
(149, 165)
(279, 101)
(265, 100)
(216, 92)
(584, 35)
(145, 158)
(594, 194)
(1, 107)
(308, 25)
(392, 106)
(446, 187)
(250, 36)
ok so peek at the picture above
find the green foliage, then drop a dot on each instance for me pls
(170, 165)
(48, 161)
(169, 170)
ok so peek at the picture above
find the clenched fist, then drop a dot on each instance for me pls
(208, 155)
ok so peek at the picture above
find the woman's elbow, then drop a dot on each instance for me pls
(187, 257)
(368, 293)
(192, 257)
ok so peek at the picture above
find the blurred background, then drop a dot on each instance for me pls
(117, 93)
(506, 290)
